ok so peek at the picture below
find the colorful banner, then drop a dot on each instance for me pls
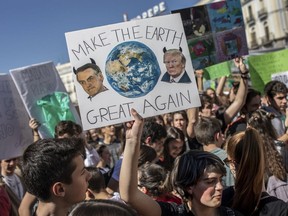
(44, 96)
(263, 66)
(15, 134)
(215, 32)
(134, 63)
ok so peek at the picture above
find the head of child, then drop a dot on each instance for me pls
(152, 179)
(197, 177)
(53, 170)
(96, 183)
(102, 207)
(208, 131)
(66, 129)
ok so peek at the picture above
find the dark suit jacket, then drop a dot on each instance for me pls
(184, 79)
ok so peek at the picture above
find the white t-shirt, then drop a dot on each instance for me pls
(92, 157)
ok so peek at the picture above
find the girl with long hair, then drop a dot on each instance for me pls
(246, 159)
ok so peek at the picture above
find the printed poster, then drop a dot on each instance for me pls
(44, 96)
(215, 32)
(142, 64)
(15, 133)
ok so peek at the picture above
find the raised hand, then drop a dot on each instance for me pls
(134, 128)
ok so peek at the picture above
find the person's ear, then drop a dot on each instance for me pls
(148, 140)
(58, 189)
(269, 100)
(144, 190)
(89, 194)
(100, 75)
(190, 190)
(216, 136)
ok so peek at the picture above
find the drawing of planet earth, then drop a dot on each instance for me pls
(132, 69)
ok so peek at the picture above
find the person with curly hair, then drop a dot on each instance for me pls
(276, 175)
(246, 158)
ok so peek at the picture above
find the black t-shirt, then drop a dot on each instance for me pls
(172, 209)
(268, 205)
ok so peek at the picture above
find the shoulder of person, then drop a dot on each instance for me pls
(171, 209)
(270, 205)
(226, 211)
(15, 202)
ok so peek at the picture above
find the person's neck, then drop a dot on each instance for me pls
(108, 139)
(210, 147)
(102, 163)
(103, 194)
(277, 109)
(5, 173)
(50, 209)
(201, 210)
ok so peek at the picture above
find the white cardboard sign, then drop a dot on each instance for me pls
(130, 57)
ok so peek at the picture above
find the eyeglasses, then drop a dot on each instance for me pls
(228, 162)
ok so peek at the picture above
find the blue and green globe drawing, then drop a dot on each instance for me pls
(132, 69)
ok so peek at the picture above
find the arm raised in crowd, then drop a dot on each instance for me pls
(192, 114)
(199, 79)
(240, 98)
(219, 89)
(34, 125)
(129, 192)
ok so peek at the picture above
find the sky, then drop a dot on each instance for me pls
(33, 31)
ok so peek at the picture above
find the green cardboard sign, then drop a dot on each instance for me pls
(217, 71)
(263, 66)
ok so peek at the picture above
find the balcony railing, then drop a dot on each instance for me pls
(268, 39)
(245, 1)
(262, 13)
(250, 20)
(254, 44)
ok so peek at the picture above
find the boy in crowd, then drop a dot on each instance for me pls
(208, 133)
(54, 172)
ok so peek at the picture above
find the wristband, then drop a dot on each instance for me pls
(244, 77)
(245, 72)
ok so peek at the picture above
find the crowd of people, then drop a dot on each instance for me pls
(227, 157)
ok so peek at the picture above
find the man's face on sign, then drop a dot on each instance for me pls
(174, 64)
(91, 81)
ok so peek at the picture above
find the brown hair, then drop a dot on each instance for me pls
(246, 148)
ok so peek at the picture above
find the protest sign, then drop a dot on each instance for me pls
(263, 66)
(15, 134)
(132, 72)
(215, 32)
(44, 96)
(282, 77)
(217, 71)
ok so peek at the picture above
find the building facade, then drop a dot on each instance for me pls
(65, 72)
(266, 23)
